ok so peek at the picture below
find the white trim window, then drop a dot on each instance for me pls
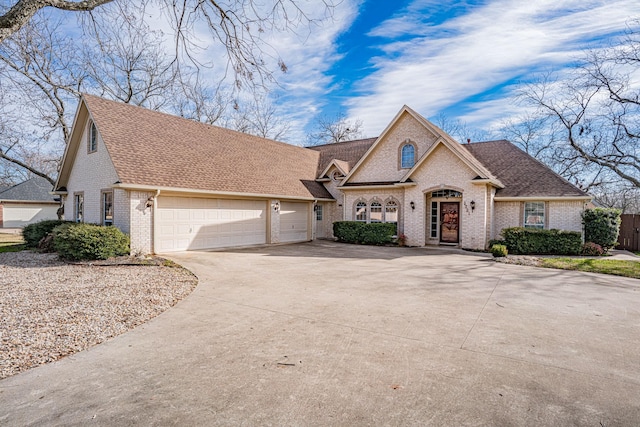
(78, 207)
(534, 215)
(376, 212)
(361, 212)
(107, 208)
(391, 212)
(408, 156)
(92, 139)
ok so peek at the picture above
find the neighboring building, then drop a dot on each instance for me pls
(175, 184)
(28, 202)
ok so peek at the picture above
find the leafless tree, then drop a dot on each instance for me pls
(598, 109)
(260, 117)
(459, 130)
(239, 26)
(336, 129)
(43, 69)
(23, 11)
(38, 84)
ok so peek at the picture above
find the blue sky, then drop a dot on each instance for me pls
(462, 59)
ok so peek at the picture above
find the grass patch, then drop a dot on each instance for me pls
(615, 267)
(11, 243)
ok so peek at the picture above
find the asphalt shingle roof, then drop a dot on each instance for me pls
(34, 189)
(157, 149)
(521, 174)
(348, 151)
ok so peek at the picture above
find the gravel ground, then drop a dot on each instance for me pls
(529, 260)
(50, 309)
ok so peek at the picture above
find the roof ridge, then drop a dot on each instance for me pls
(340, 142)
(174, 117)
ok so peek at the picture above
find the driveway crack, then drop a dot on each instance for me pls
(482, 310)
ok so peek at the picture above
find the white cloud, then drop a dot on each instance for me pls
(468, 55)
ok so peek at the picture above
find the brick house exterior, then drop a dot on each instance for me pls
(174, 184)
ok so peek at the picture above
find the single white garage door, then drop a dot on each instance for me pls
(190, 223)
(18, 215)
(294, 221)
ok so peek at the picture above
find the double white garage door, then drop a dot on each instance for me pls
(192, 223)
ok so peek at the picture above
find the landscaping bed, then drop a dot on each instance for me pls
(50, 309)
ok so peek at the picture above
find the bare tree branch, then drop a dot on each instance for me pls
(22, 12)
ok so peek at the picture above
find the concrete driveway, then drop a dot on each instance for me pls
(328, 334)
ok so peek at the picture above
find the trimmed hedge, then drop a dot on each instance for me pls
(34, 233)
(89, 242)
(602, 226)
(375, 233)
(530, 241)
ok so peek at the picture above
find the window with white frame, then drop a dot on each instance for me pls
(78, 207)
(534, 215)
(391, 211)
(107, 208)
(92, 140)
(408, 156)
(376, 212)
(318, 212)
(361, 212)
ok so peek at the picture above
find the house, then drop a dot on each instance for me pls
(175, 184)
(27, 202)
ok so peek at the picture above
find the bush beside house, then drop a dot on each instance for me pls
(602, 226)
(89, 241)
(375, 233)
(528, 241)
(34, 233)
(76, 241)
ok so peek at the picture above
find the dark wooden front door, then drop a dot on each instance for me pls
(449, 222)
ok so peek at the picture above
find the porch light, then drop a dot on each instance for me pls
(276, 207)
(413, 205)
(473, 205)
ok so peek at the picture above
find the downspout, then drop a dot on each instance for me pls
(154, 245)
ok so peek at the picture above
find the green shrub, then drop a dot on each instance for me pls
(592, 249)
(37, 231)
(376, 233)
(524, 241)
(496, 242)
(499, 251)
(89, 241)
(602, 226)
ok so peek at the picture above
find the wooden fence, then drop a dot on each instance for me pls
(629, 237)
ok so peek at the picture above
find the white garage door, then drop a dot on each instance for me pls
(190, 223)
(20, 214)
(294, 221)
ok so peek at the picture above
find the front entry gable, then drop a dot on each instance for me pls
(459, 159)
(387, 160)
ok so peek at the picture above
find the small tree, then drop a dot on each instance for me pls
(602, 226)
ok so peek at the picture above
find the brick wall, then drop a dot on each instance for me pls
(566, 215)
(444, 170)
(382, 164)
(141, 229)
(92, 173)
(507, 214)
(562, 215)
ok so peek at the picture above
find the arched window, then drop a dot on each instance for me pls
(408, 155)
(376, 212)
(391, 212)
(361, 211)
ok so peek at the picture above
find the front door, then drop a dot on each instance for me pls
(449, 222)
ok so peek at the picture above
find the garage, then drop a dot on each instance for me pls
(17, 215)
(294, 222)
(192, 223)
